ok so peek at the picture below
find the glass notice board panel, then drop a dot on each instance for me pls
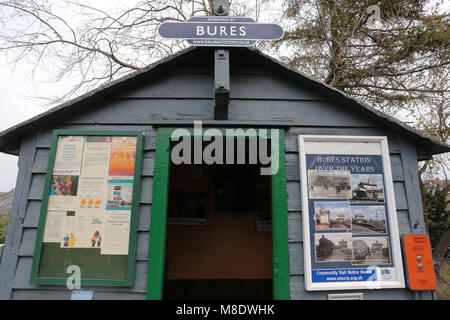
(89, 210)
(351, 236)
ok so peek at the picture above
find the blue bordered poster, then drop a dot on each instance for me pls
(349, 220)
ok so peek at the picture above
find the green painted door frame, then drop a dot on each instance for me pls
(280, 250)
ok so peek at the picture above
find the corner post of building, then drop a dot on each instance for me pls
(221, 70)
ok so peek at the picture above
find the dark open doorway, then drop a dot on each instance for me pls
(218, 238)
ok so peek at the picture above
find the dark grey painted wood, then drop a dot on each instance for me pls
(41, 160)
(145, 212)
(296, 255)
(294, 196)
(403, 222)
(295, 228)
(292, 167)
(146, 190)
(148, 164)
(21, 281)
(28, 241)
(295, 111)
(400, 196)
(32, 214)
(263, 86)
(298, 293)
(144, 111)
(14, 233)
(37, 186)
(45, 134)
(173, 86)
(291, 137)
(142, 245)
(26, 294)
(102, 295)
(412, 190)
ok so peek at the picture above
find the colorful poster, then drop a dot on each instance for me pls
(63, 193)
(123, 156)
(120, 195)
(64, 185)
(338, 184)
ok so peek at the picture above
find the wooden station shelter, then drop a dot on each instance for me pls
(98, 188)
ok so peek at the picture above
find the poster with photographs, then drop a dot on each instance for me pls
(329, 184)
(349, 219)
(368, 219)
(333, 247)
(92, 177)
(367, 188)
(370, 251)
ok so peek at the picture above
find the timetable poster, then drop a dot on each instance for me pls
(92, 177)
(348, 233)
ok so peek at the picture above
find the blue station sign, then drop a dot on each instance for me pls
(221, 31)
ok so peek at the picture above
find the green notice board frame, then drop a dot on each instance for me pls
(50, 261)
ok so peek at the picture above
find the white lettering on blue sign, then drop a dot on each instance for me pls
(223, 30)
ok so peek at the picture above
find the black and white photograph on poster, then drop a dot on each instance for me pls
(367, 187)
(371, 251)
(329, 184)
(368, 219)
(330, 215)
(331, 247)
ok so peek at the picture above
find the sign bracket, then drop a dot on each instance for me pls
(221, 70)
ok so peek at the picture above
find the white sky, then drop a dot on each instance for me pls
(18, 100)
(15, 107)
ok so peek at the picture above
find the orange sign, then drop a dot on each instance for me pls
(418, 258)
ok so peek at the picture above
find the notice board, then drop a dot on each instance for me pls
(89, 210)
(350, 230)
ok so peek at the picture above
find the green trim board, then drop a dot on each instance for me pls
(51, 260)
(280, 249)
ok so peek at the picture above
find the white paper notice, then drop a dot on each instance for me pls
(53, 226)
(117, 232)
(92, 193)
(91, 229)
(68, 155)
(83, 230)
(62, 203)
(70, 232)
(96, 157)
